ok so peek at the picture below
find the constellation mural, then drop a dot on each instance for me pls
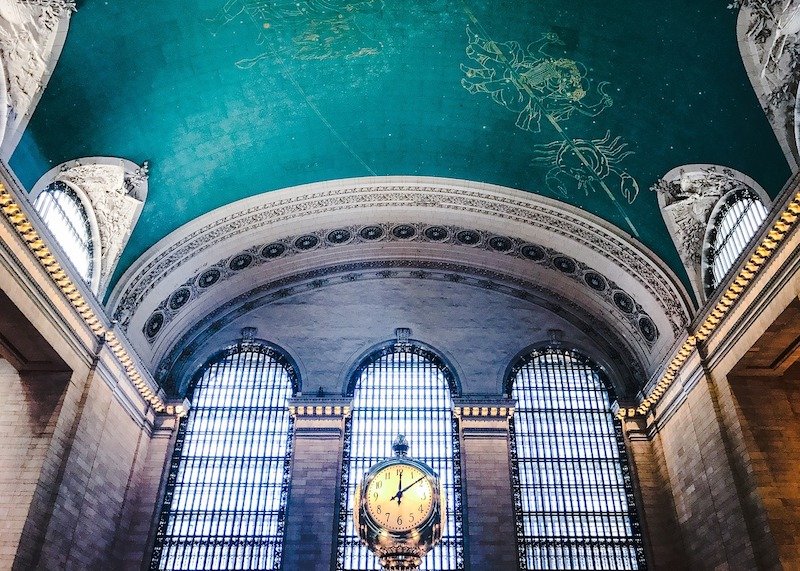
(586, 162)
(304, 29)
(545, 92)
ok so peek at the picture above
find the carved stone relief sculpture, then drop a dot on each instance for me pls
(32, 33)
(769, 40)
(687, 196)
(116, 190)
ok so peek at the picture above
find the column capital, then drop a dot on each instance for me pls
(484, 406)
(320, 416)
(320, 406)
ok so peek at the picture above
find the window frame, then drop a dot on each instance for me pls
(710, 251)
(372, 356)
(520, 362)
(280, 358)
(84, 205)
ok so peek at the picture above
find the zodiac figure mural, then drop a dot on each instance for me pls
(545, 92)
(529, 82)
(304, 29)
(586, 163)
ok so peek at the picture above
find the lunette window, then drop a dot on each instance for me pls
(402, 389)
(736, 220)
(573, 495)
(63, 213)
(228, 481)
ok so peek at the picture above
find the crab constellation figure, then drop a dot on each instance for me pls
(589, 163)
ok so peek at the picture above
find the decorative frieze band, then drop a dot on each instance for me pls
(96, 323)
(726, 300)
(320, 407)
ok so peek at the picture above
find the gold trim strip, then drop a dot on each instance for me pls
(727, 301)
(19, 221)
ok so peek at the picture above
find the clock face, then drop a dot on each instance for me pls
(400, 497)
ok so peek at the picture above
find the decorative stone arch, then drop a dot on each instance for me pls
(272, 246)
(113, 192)
(768, 32)
(599, 359)
(446, 363)
(32, 35)
(688, 196)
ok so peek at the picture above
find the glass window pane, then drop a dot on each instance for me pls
(402, 390)
(573, 493)
(228, 481)
(736, 222)
(62, 212)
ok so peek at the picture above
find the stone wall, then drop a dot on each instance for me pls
(770, 412)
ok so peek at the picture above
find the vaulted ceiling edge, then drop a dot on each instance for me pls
(628, 352)
(252, 221)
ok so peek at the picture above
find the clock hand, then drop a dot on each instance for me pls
(410, 485)
(399, 493)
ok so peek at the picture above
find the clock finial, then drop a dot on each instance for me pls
(400, 445)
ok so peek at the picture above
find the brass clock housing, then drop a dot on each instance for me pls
(398, 509)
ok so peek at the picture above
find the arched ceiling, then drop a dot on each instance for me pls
(587, 102)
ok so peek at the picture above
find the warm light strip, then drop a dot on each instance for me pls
(23, 227)
(726, 302)
(319, 410)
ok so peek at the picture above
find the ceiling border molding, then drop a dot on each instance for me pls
(178, 360)
(254, 220)
(251, 260)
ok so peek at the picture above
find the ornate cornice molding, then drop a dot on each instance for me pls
(93, 318)
(211, 278)
(621, 347)
(782, 224)
(251, 217)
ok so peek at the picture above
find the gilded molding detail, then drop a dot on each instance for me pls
(95, 322)
(727, 300)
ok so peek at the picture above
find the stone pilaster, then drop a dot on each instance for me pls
(310, 536)
(486, 461)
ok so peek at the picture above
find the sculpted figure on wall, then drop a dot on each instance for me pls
(116, 191)
(769, 39)
(687, 197)
(30, 42)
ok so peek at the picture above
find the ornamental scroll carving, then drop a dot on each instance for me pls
(28, 44)
(770, 45)
(116, 194)
(687, 199)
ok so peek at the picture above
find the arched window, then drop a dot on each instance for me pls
(228, 480)
(402, 389)
(572, 488)
(735, 220)
(63, 213)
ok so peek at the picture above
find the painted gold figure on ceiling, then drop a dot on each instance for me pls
(306, 29)
(530, 82)
(546, 90)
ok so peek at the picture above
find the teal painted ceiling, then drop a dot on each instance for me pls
(588, 102)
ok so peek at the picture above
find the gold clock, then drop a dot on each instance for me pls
(400, 497)
(398, 509)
